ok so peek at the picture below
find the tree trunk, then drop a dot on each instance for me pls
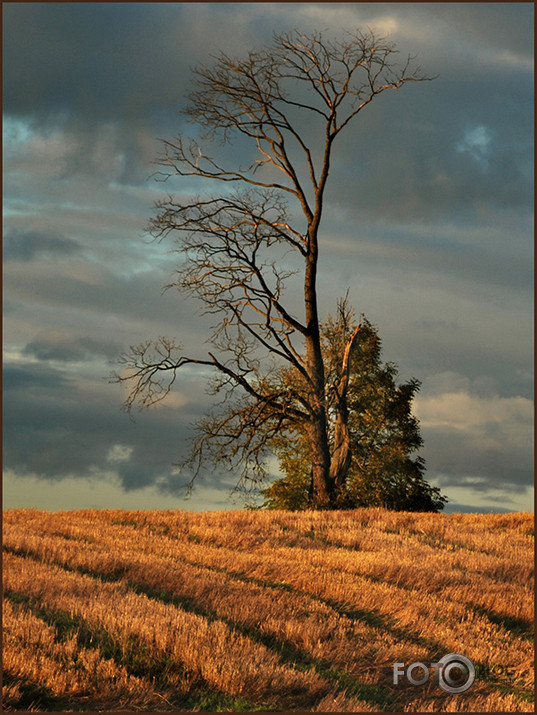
(318, 428)
(323, 485)
(320, 465)
(341, 454)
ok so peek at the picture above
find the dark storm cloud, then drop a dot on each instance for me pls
(115, 308)
(482, 464)
(85, 58)
(436, 148)
(128, 64)
(41, 377)
(58, 427)
(102, 61)
(27, 245)
(85, 66)
(118, 68)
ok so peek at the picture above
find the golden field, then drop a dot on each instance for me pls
(264, 611)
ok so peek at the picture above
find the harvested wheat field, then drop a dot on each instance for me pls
(258, 611)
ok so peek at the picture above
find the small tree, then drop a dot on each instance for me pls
(382, 433)
(289, 102)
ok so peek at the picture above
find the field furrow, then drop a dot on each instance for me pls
(456, 575)
(210, 650)
(33, 655)
(417, 612)
(300, 628)
(161, 575)
(295, 611)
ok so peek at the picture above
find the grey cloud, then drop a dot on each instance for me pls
(473, 437)
(26, 245)
(17, 376)
(499, 256)
(508, 24)
(64, 347)
(459, 459)
(450, 381)
(58, 427)
(442, 325)
(84, 59)
(83, 66)
(129, 64)
(114, 309)
(97, 62)
(402, 160)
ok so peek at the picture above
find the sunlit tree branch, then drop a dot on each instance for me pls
(287, 104)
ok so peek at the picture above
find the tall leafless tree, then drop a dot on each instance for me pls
(289, 102)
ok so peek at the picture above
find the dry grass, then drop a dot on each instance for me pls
(264, 610)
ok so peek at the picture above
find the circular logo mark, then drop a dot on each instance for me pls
(456, 673)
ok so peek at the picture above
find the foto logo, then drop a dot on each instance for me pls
(454, 673)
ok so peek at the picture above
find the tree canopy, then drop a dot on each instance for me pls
(384, 435)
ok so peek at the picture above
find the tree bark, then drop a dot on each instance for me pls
(320, 465)
(341, 453)
(318, 430)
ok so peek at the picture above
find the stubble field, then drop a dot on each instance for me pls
(257, 611)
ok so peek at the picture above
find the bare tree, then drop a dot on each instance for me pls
(289, 102)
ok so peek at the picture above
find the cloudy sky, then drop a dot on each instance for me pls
(428, 222)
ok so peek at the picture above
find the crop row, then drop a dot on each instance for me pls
(329, 575)
(210, 650)
(320, 622)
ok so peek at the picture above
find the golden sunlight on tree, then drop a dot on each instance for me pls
(288, 103)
